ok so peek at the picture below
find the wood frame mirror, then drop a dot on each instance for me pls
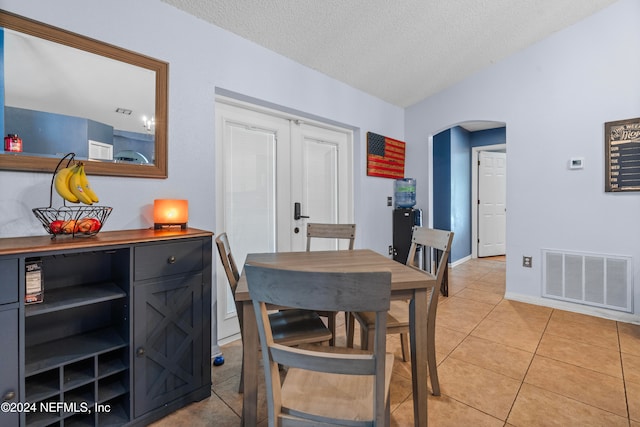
(35, 163)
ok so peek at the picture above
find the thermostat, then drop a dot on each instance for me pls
(576, 163)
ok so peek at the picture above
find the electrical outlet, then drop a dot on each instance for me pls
(390, 250)
(527, 261)
(389, 201)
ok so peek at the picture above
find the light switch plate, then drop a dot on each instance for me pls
(576, 163)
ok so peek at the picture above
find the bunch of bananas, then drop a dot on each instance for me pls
(72, 184)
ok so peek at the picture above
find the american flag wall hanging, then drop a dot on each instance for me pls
(385, 156)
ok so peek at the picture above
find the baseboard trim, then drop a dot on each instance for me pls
(460, 261)
(215, 349)
(575, 308)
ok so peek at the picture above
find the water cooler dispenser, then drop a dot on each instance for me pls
(403, 221)
(404, 218)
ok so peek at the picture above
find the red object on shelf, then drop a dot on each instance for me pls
(13, 143)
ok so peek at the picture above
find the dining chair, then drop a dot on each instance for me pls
(289, 327)
(332, 231)
(324, 385)
(431, 240)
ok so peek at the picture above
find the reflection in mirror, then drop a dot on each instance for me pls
(59, 99)
(66, 93)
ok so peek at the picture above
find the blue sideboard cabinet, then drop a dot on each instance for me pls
(122, 336)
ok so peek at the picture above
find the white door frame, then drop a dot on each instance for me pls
(474, 192)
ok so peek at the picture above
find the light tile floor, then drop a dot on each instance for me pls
(500, 363)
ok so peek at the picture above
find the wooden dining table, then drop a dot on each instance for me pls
(407, 283)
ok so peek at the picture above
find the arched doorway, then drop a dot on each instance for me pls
(453, 181)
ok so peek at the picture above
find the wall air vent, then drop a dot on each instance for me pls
(593, 279)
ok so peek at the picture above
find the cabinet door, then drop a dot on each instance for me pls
(9, 365)
(168, 340)
(9, 283)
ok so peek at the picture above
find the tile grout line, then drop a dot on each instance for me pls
(624, 380)
(528, 367)
(569, 397)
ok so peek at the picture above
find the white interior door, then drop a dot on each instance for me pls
(492, 193)
(265, 164)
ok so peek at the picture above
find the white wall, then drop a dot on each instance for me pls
(202, 57)
(554, 98)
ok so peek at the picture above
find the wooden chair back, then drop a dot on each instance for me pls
(331, 231)
(431, 240)
(437, 243)
(330, 291)
(230, 268)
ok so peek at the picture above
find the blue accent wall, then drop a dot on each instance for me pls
(442, 180)
(452, 182)
(142, 143)
(460, 193)
(100, 132)
(55, 134)
(488, 137)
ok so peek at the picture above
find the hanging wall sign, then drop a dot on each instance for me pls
(385, 156)
(622, 152)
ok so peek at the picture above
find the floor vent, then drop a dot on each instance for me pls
(599, 280)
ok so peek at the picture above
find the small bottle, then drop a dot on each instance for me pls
(13, 143)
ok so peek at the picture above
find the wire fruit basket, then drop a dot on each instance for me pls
(71, 220)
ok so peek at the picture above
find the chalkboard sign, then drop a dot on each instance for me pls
(622, 152)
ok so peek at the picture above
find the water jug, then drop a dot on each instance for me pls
(405, 193)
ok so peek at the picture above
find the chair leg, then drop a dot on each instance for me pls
(349, 321)
(331, 320)
(371, 339)
(387, 412)
(444, 287)
(404, 344)
(241, 386)
(431, 362)
(364, 337)
(433, 374)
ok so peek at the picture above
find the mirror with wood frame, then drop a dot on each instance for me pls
(62, 92)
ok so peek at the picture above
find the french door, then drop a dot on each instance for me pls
(266, 164)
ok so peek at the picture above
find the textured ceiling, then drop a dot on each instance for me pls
(401, 51)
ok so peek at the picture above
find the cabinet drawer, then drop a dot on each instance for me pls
(9, 283)
(167, 258)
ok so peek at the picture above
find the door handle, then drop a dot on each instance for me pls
(296, 212)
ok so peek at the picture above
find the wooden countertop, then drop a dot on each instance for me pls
(19, 245)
